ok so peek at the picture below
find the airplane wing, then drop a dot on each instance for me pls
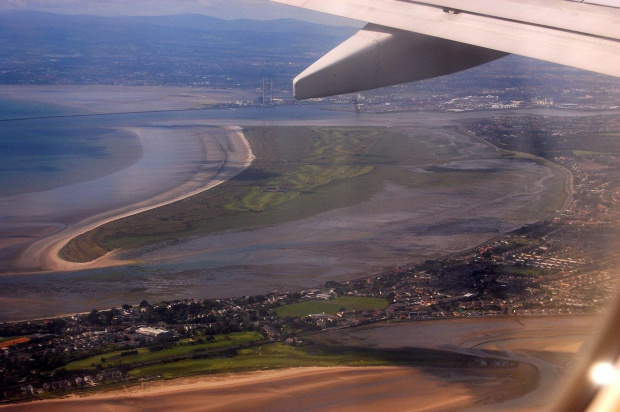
(414, 40)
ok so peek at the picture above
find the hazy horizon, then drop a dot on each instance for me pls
(229, 10)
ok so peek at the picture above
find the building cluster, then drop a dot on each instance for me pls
(487, 89)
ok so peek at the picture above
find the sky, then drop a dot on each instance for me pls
(225, 9)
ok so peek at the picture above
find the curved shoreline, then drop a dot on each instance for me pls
(342, 388)
(42, 256)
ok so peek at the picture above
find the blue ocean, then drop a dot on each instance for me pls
(40, 151)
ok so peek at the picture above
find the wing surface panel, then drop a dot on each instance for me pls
(564, 15)
(561, 39)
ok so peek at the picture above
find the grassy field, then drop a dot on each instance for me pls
(181, 348)
(524, 241)
(8, 341)
(587, 153)
(278, 355)
(330, 307)
(516, 271)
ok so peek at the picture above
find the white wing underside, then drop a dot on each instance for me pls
(414, 40)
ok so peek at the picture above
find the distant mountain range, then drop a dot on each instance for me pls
(188, 49)
(24, 20)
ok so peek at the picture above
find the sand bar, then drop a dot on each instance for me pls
(99, 99)
(43, 254)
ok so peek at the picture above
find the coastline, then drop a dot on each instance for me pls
(546, 349)
(42, 256)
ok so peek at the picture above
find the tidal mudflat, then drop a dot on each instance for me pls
(456, 193)
(552, 345)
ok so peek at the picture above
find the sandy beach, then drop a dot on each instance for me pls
(313, 388)
(43, 254)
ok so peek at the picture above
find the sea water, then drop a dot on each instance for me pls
(56, 164)
(14, 109)
(41, 148)
(35, 158)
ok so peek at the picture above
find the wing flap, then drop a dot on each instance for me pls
(379, 56)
